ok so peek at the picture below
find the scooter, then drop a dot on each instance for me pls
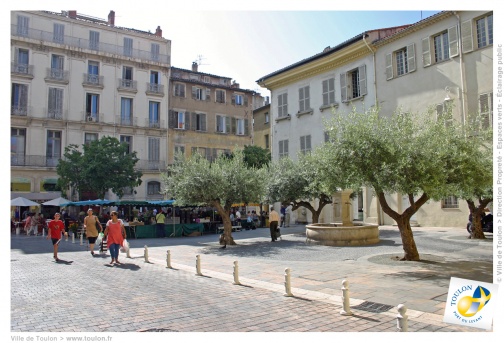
(486, 224)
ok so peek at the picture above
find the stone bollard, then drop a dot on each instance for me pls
(345, 299)
(235, 274)
(73, 238)
(287, 283)
(128, 252)
(402, 318)
(81, 239)
(198, 265)
(168, 259)
(146, 253)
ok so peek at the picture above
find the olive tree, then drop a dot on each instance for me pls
(227, 180)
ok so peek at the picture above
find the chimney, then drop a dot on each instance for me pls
(111, 18)
(266, 102)
(159, 32)
(72, 14)
(195, 66)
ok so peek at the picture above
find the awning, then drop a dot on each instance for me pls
(161, 202)
(129, 202)
(87, 203)
(36, 196)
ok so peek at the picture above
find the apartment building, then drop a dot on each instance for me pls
(76, 78)
(444, 61)
(209, 114)
(262, 126)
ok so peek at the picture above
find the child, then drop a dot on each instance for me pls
(56, 227)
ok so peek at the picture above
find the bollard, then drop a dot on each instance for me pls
(168, 259)
(235, 274)
(128, 252)
(18, 231)
(198, 265)
(146, 253)
(345, 299)
(73, 238)
(402, 319)
(287, 283)
(81, 238)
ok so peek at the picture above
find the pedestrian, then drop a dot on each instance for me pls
(116, 233)
(274, 218)
(287, 216)
(90, 222)
(30, 224)
(263, 218)
(56, 227)
(160, 224)
(238, 216)
(232, 218)
(282, 216)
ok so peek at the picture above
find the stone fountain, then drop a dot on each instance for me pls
(343, 234)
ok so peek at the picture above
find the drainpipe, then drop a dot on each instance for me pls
(462, 72)
(374, 69)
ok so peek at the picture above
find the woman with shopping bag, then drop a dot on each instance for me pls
(90, 222)
(116, 233)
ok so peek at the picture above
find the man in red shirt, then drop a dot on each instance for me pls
(56, 227)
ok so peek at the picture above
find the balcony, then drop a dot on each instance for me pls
(55, 113)
(155, 124)
(17, 110)
(92, 80)
(155, 89)
(57, 75)
(152, 165)
(126, 120)
(92, 117)
(127, 85)
(45, 37)
(21, 160)
(24, 70)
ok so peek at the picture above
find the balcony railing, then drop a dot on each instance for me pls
(158, 165)
(126, 121)
(54, 74)
(156, 124)
(92, 117)
(75, 42)
(125, 84)
(155, 88)
(17, 110)
(55, 113)
(22, 69)
(93, 80)
(33, 160)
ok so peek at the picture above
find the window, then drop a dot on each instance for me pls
(181, 120)
(179, 151)
(206, 79)
(53, 147)
(48, 185)
(59, 33)
(200, 93)
(304, 99)
(266, 141)
(57, 67)
(484, 31)
(444, 112)
(126, 111)
(19, 100)
(240, 127)
(90, 137)
(94, 40)
(22, 25)
(328, 92)
(154, 77)
(153, 150)
(179, 90)
(154, 114)
(55, 103)
(450, 202)
(222, 124)
(93, 72)
(18, 144)
(239, 100)
(266, 118)
(283, 148)
(155, 52)
(153, 188)
(127, 77)
(441, 47)
(353, 84)
(128, 140)
(92, 106)
(22, 61)
(194, 77)
(305, 142)
(400, 62)
(198, 121)
(128, 46)
(282, 105)
(486, 110)
(220, 96)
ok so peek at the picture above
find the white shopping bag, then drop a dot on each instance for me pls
(125, 246)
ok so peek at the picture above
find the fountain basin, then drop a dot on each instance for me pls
(335, 234)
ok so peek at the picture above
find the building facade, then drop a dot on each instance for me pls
(75, 79)
(262, 126)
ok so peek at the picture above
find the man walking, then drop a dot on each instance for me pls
(274, 218)
(160, 219)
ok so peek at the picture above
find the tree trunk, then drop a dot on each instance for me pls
(403, 223)
(227, 237)
(477, 214)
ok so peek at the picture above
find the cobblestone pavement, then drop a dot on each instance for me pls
(83, 293)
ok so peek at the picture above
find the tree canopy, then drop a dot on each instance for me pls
(227, 180)
(255, 156)
(101, 165)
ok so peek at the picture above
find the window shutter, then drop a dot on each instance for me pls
(302, 143)
(218, 120)
(23, 96)
(307, 95)
(362, 80)
(286, 147)
(343, 84)
(332, 95)
(246, 127)
(172, 119)
(301, 97)
(214, 154)
(280, 148)
(233, 125)
(453, 41)
(208, 154)
(208, 94)
(426, 55)
(325, 92)
(194, 90)
(467, 36)
(308, 142)
(228, 124)
(388, 66)
(203, 121)
(245, 100)
(187, 120)
(233, 99)
(410, 51)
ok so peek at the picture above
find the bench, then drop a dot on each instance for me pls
(234, 228)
